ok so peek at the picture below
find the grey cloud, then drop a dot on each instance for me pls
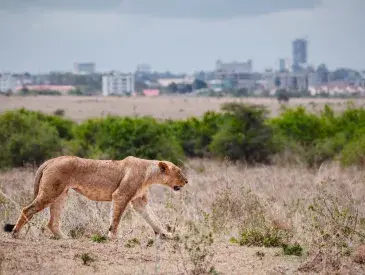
(167, 8)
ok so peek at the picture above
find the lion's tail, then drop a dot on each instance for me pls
(39, 175)
(9, 227)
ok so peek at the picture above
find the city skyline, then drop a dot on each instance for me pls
(120, 39)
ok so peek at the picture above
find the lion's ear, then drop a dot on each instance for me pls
(163, 167)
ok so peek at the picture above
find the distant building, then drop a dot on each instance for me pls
(117, 83)
(84, 68)
(164, 82)
(294, 81)
(235, 75)
(283, 65)
(336, 88)
(216, 85)
(7, 82)
(143, 69)
(151, 92)
(299, 53)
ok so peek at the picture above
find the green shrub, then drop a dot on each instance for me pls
(195, 135)
(317, 138)
(98, 238)
(264, 236)
(243, 134)
(354, 152)
(131, 243)
(63, 126)
(299, 125)
(25, 139)
(292, 249)
(117, 138)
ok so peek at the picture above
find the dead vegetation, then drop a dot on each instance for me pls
(231, 219)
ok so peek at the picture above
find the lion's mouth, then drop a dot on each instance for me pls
(177, 188)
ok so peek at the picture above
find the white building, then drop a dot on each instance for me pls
(7, 82)
(118, 84)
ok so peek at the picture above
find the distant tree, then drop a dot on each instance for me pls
(24, 90)
(184, 88)
(282, 95)
(172, 88)
(199, 84)
(242, 92)
(76, 91)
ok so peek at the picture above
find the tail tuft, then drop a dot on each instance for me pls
(8, 227)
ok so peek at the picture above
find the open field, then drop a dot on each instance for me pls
(221, 198)
(177, 107)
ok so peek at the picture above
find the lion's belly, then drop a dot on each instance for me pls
(95, 194)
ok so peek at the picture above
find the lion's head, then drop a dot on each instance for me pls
(172, 175)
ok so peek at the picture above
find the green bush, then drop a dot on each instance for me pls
(63, 126)
(266, 236)
(354, 152)
(117, 138)
(317, 138)
(243, 134)
(240, 132)
(292, 249)
(25, 139)
(195, 135)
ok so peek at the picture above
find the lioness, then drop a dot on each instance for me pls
(121, 182)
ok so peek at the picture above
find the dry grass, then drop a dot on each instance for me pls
(174, 107)
(322, 210)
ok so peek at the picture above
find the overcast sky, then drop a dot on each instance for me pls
(177, 35)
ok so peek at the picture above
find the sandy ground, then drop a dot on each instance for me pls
(177, 107)
(47, 256)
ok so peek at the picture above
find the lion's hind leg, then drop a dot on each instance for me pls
(56, 210)
(47, 196)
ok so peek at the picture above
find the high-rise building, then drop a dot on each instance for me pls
(299, 52)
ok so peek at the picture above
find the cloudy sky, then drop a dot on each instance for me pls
(177, 35)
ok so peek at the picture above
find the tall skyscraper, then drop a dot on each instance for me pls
(299, 52)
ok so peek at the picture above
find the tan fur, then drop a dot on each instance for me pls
(121, 182)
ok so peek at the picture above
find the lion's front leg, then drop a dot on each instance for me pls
(119, 203)
(142, 207)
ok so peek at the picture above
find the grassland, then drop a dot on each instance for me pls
(230, 219)
(81, 108)
(222, 199)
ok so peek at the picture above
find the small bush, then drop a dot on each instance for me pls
(196, 249)
(132, 243)
(292, 249)
(86, 258)
(59, 112)
(98, 238)
(77, 232)
(268, 237)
